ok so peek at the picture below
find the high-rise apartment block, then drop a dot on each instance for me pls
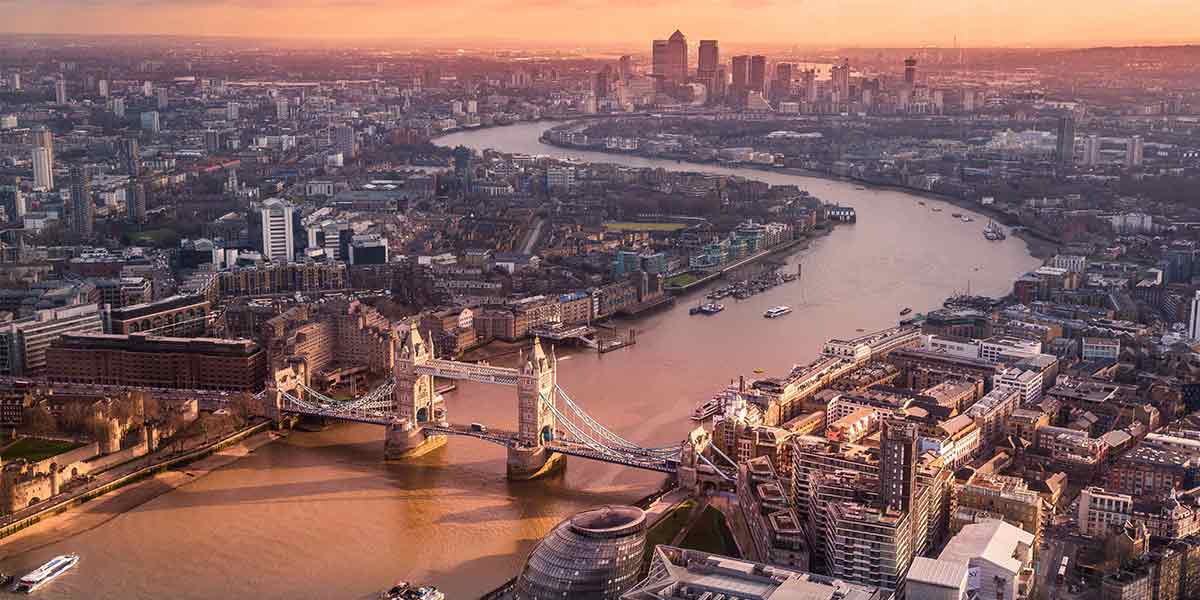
(278, 238)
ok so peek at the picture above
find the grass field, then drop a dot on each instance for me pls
(35, 449)
(681, 280)
(623, 226)
(665, 530)
(711, 534)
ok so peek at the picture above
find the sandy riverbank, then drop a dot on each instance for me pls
(113, 504)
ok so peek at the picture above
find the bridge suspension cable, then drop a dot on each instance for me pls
(607, 434)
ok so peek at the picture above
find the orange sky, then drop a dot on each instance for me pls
(800, 22)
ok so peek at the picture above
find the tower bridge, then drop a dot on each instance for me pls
(550, 425)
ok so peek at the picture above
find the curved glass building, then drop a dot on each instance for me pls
(594, 555)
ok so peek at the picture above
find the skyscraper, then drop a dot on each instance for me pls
(840, 79)
(344, 141)
(808, 81)
(60, 91)
(135, 202)
(1066, 139)
(1134, 149)
(910, 71)
(212, 141)
(781, 85)
(161, 98)
(758, 74)
(82, 214)
(43, 170)
(130, 156)
(15, 81)
(741, 75)
(625, 67)
(709, 58)
(1091, 151)
(150, 122)
(602, 81)
(44, 138)
(102, 88)
(670, 58)
(1194, 325)
(279, 243)
(231, 111)
(897, 464)
(118, 107)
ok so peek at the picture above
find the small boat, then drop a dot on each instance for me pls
(776, 312)
(921, 202)
(405, 591)
(695, 310)
(967, 219)
(711, 308)
(6, 579)
(936, 209)
(859, 187)
(46, 573)
(956, 215)
(905, 311)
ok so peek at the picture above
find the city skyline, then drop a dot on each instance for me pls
(870, 23)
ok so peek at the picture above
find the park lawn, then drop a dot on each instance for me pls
(627, 226)
(711, 534)
(36, 449)
(681, 280)
(665, 530)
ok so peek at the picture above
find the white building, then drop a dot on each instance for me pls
(991, 411)
(1071, 262)
(43, 171)
(992, 349)
(1101, 348)
(1101, 510)
(279, 243)
(999, 559)
(560, 177)
(933, 579)
(1027, 384)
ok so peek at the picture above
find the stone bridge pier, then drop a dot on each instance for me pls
(404, 440)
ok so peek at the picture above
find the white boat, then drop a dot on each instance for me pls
(777, 311)
(46, 573)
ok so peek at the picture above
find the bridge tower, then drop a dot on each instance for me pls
(528, 456)
(414, 399)
(414, 393)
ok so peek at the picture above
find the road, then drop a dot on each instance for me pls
(534, 234)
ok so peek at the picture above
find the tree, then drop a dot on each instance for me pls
(39, 421)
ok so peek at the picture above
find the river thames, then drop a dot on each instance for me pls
(319, 515)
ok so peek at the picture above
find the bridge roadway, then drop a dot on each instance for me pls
(561, 446)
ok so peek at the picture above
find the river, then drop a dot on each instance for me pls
(318, 515)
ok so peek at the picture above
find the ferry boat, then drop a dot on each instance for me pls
(46, 573)
(777, 311)
(905, 311)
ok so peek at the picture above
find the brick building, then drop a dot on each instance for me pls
(151, 361)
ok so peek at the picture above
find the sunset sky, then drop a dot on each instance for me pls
(583, 22)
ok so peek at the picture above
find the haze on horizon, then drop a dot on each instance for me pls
(871, 23)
